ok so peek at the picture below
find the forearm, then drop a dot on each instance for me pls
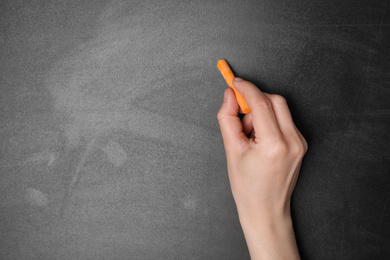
(270, 237)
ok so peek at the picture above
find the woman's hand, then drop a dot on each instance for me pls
(263, 168)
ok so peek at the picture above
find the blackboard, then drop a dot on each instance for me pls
(110, 147)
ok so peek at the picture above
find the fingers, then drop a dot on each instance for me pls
(282, 114)
(230, 124)
(263, 118)
(270, 120)
(285, 122)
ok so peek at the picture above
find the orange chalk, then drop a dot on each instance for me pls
(228, 75)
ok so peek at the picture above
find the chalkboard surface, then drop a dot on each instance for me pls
(110, 147)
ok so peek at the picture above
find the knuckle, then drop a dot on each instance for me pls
(278, 99)
(305, 145)
(262, 104)
(298, 149)
(278, 149)
(220, 115)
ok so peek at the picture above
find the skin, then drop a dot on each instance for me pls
(264, 153)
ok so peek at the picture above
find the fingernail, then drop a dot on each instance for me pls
(238, 79)
(225, 96)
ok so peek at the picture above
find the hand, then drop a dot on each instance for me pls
(263, 169)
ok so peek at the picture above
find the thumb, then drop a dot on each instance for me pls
(230, 124)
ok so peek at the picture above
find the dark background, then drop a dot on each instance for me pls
(110, 147)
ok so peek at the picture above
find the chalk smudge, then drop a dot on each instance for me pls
(76, 177)
(190, 203)
(36, 198)
(98, 85)
(47, 158)
(115, 153)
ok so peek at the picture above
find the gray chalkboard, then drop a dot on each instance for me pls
(109, 143)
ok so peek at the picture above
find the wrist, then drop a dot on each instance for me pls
(275, 212)
(265, 222)
(269, 236)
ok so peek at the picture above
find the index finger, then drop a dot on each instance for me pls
(263, 117)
